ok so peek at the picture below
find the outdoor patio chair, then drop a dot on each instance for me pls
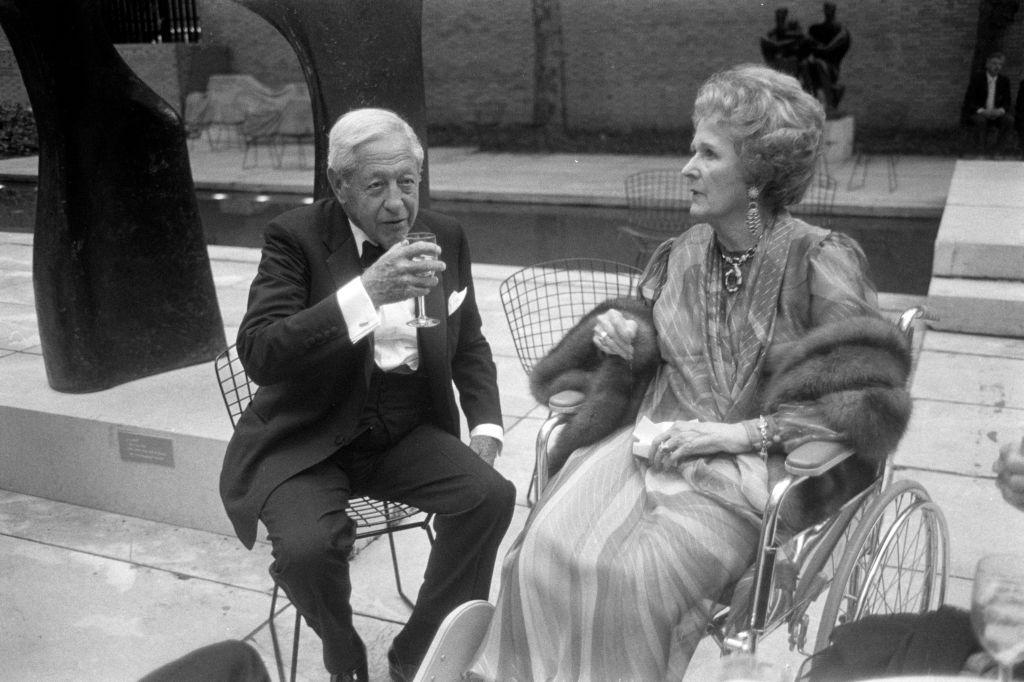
(819, 201)
(658, 208)
(295, 128)
(885, 551)
(373, 517)
(259, 129)
(543, 301)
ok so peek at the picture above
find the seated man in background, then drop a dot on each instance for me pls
(353, 401)
(987, 106)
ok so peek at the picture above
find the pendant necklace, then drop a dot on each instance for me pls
(732, 276)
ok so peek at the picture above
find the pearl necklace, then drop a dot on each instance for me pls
(732, 276)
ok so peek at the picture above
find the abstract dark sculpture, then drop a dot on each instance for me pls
(123, 286)
(354, 53)
(813, 58)
(830, 43)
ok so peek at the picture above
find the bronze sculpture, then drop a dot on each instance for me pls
(123, 287)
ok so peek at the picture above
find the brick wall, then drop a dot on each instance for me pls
(638, 63)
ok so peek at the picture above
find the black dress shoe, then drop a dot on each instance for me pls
(400, 672)
(356, 674)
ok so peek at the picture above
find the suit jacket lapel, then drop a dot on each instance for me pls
(342, 259)
(343, 264)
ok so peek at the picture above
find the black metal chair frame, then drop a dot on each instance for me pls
(543, 301)
(820, 199)
(373, 517)
(658, 208)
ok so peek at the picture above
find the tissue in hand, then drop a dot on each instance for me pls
(645, 432)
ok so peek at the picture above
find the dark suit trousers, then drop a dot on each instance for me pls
(982, 125)
(398, 456)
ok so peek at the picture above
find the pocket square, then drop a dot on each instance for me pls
(455, 300)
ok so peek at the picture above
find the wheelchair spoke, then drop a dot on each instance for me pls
(896, 561)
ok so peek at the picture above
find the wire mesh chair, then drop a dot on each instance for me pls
(658, 208)
(820, 199)
(373, 517)
(544, 301)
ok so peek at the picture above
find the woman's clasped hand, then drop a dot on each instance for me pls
(692, 438)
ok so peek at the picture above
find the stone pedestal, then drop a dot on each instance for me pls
(838, 139)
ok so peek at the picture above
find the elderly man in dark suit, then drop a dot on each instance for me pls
(987, 105)
(353, 401)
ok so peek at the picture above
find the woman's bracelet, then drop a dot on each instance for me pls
(762, 428)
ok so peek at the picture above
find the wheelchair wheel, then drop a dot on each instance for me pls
(896, 560)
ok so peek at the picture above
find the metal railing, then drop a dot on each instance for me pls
(151, 21)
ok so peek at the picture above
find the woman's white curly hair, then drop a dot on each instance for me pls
(778, 128)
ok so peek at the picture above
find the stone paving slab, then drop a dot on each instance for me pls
(958, 438)
(974, 344)
(970, 379)
(75, 615)
(980, 522)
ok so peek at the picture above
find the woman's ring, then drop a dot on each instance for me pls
(602, 335)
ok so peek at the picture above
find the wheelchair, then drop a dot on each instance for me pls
(885, 551)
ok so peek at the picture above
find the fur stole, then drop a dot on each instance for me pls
(612, 386)
(854, 373)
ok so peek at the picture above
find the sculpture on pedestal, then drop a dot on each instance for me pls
(830, 43)
(812, 58)
(354, 53)
(123, 286)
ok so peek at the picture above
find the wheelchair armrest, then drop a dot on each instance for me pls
(565, 402)
(816, 457)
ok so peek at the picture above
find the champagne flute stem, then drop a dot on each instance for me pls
(1005, 673)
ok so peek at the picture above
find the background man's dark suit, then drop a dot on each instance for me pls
(295, 344)
(977, 92)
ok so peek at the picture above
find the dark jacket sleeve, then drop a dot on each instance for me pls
(289, 329)
(472, 364)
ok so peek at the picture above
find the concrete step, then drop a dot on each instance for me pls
(980, 242)
(977, 306)
(982, 230)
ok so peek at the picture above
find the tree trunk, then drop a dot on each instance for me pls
(549, 113)
(994, 17)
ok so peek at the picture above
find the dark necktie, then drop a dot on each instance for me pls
(371, 252)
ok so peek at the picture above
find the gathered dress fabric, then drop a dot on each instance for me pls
(619, 565)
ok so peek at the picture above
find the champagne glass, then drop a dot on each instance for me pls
(421, 319)
(997, 609)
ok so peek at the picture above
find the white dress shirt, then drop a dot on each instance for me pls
(394, 341)
(990, 99)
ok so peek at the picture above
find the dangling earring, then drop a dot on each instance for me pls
(753, 220)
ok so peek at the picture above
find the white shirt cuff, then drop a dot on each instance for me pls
(492, 430)
(357, 309)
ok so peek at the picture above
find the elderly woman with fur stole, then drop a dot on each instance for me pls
(768, 335)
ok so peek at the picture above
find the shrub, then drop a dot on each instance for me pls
(18, 135)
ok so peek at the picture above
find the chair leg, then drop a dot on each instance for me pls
(398, 576)
(273, 634)
(295, 643)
